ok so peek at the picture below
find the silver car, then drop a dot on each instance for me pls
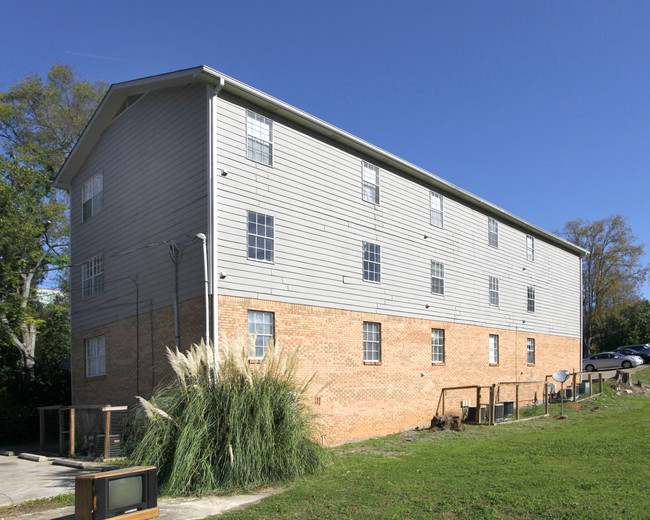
(605, 360)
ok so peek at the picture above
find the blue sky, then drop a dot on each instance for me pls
(542, 108)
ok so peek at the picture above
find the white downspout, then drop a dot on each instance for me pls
(213, 220)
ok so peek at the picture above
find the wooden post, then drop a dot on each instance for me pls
(478, 405)
(517, 400)
(600, 382)
(41, 427)
(71, 431)
(575, 388)
(61, 433)
(492, 396)
(547, 400)
(443, 402)
(591, 390)
(107, 433)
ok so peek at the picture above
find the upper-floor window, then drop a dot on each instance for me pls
(493, 232)
(494, 290)
(370, 180)
(259, 138)
(437, 345)
(530, 351)
(92, 276)
(371, 262)
(260, 332)
(530, 299)
(92, 200)
(494, 349)
(371, 342)
(95, 356)
(436, 209)
(437, 277)
(260, 236)
(530, 248)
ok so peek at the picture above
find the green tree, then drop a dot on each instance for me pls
(612, 276)
(629, 327)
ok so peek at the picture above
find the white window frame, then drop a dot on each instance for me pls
(371, 262)
(437, 345)
(371, 342)
(530, 351)
(437, 277)
(259, 138)
(437, 209)
(530, 299)
(95, 356)
(370, 182)
(494, 349)
(493, 286)
(530, 248)
(493, 232)
(92, 277)
(260, 237)
(92, 196)
(261, 331)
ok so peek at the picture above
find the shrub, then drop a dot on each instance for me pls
(251, 427)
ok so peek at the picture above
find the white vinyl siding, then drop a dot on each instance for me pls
(260, 332)
(371, 342)
(530, 351)
(437, 345)
(259, 138)
(494, 349)
(371, 262)
(261, 236)
(493, 283)
(92, 199)
(530, 299)
(95, 356)
(530, 248)
(436, 209)
(92, 276)
(493, 232)
(370, 180)
(437, 277)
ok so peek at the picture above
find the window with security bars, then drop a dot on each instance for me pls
(370, 180)
(260, 332)
(437, 277)
(530, 299)
(530, 351)
(92, 200)
(494, 290)
(371, 342)
(259, 138)
(436, 209)
(494, 349)
(493, 232)
(371, 262)
(261, 236)
(530, 248)
(437, 345)
(92, 276)
(95, 356)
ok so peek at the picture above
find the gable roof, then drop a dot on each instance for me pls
(119, 92)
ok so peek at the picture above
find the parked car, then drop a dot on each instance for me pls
(605, 360)
(644, 347)
(642, 353)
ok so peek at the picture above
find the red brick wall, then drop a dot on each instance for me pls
(360, 400)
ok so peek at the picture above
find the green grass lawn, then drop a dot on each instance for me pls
(595, 464)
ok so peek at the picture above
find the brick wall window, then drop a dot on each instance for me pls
(437, 345)
(261, 236)
(530, 299)
(494, 290)
(437, 277)
(530, 248)
(259, 138)
(260, 332)
(370, 181)
(92, 198)
(371, 262)
(95, 356)
(530, 351)
(436, 209)
(493, 232)
(494, 349)
(92, 276)
(371, 342)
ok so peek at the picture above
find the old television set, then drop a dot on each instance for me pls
(123, 493)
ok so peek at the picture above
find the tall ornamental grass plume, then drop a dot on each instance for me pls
(248, 428)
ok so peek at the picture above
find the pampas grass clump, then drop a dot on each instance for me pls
(250, 428)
